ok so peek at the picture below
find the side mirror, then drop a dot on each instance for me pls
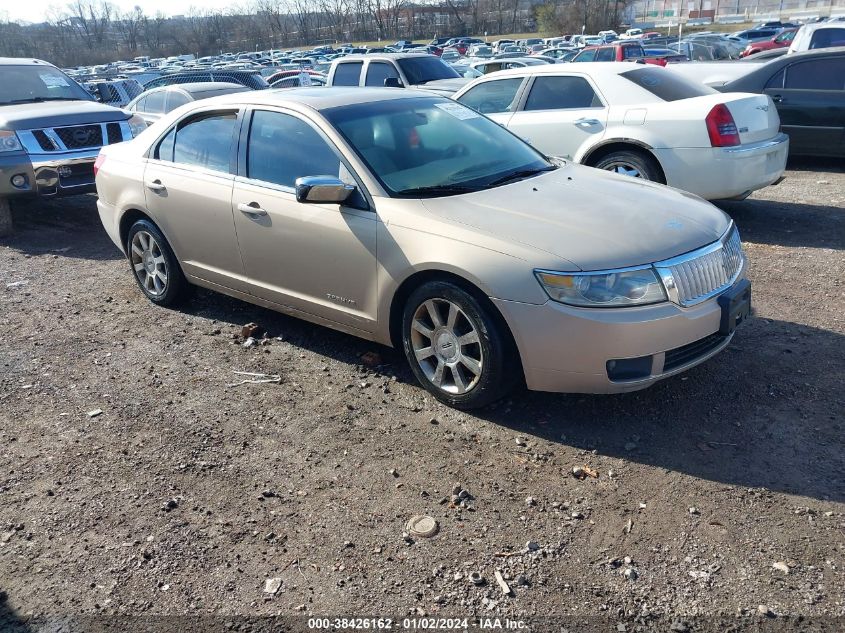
(325, 189)
(393, 82)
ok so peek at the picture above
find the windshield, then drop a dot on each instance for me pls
(29, 84)
(425, 68)
(431, 147)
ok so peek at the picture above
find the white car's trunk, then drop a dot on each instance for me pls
(755, 116)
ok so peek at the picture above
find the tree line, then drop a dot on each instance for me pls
(88, 32)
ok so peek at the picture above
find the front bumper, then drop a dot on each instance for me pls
(567, 349)
(720, 173)
(48, 175)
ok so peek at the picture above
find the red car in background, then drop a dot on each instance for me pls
(781, 40)
(623, 51)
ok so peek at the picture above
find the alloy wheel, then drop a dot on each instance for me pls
(149, 263)
(623, 168)
(446, 345)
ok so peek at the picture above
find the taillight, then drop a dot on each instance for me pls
(101, 158)
(721, 127)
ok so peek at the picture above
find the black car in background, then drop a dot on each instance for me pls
(808, 90)
(249, 78)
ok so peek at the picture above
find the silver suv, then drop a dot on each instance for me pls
(51, 130)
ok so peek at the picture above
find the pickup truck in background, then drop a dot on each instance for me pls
(396, 70)
(51, 130)
(621, 51)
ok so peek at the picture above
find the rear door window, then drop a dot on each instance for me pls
(155, 102)
(206, 141)
(606, 54)
(561, 93)
(816, 74)
(666, 85)
(176, 99)
(493, 96)
(348, 74)
(377, 72)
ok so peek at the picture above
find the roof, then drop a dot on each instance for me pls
(584, 68)
(21, 61)
(203, 86)
(403, 55)
(319, 98)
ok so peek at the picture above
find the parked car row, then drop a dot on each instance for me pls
(521, 240)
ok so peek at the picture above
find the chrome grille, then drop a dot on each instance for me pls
(697, 276)
(80, 136)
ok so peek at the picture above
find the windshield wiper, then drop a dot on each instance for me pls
(41, 99)
(437, 190)
(518, 175)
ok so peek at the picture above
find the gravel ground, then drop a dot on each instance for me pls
(135, 481)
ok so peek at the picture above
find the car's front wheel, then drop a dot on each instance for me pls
(455, 347)
(154, 265)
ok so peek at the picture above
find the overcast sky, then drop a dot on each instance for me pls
(37, 10)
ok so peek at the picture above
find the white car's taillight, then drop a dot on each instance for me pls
(101, 158)
(721, 127)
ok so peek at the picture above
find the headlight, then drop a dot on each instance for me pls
(608, 289)
(9, 141)
(136, 125)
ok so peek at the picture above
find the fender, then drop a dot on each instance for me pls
(584, 157)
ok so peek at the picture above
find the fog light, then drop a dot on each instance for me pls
(629, 368)
(19, 181)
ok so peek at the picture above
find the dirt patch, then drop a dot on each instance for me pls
(136, 481)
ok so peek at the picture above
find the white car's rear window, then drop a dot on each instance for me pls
(666, 85)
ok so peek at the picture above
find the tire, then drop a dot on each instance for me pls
(630, 163)
(461, 356)
(154, 266)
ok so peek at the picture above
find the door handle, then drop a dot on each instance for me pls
(253, 209)
(777, 98)
(586, 122)
(156, 185)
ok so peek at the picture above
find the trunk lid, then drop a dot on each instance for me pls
(755, 116)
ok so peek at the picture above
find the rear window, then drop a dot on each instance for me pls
(666, 85)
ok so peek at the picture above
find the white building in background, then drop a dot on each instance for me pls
(725, 11)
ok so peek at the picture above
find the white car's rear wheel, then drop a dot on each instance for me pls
(630, 163)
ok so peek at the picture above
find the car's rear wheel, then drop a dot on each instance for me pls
(154, 265)
(455, 347)
(630, 163)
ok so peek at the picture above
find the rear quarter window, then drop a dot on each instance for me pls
(666, 85)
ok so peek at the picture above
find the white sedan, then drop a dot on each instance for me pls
(640, 120)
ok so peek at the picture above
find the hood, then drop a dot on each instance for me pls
(445, 86)
(593, 219)
(712, 74)
(27, 116)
